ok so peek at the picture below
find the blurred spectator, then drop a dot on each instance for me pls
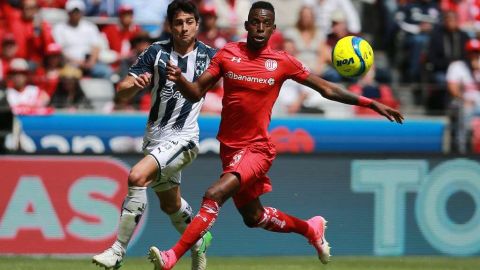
(69, 94)
(209, 32)
(31, 34)
(468, 12)
(47, 76)
(416, 21)
(21, 96)
(119, 35)
(367, 86)
(213, 100)
(290, 99)
(102, 7)
(377, 22)
(447, 44)
(293, 95)
(309, 41)
(211, 35)
(8, 52)
(463, 78)
(283, 12)
(142, 100)
(231, 15)
(150, 14)
(325, 8)
(338, 30)
(52, 3)
(81, 41)
(165, 33)
(138, 43)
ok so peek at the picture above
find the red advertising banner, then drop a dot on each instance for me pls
(59, 205)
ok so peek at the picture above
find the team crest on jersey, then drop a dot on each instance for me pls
(271, 65)
(200, 67)
(200, 64)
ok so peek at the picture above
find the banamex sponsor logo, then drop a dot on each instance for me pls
(232, 75)
(59, 205)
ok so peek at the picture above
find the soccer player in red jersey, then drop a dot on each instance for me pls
(253, 74)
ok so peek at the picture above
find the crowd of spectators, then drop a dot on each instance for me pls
(48, 47)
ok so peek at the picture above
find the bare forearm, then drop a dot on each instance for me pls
(333, 91)
(126, 89)
(340, 94)
(94, 55)
(337, 93)
(191, 91)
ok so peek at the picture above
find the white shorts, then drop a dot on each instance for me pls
(171, 157)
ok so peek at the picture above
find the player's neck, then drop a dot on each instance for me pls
(254, 49)
(183, 49)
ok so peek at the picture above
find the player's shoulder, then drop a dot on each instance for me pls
(281, 55)
(161, 46)
(285, 60)
(233, 47)
(204, 48)
(165, 45)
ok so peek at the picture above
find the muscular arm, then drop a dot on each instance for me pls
(331, 91)
(337, 93)
(129, 86)
(192, 91)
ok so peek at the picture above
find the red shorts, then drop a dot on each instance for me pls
(251, 163)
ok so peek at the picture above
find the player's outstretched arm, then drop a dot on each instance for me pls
(129, 86)
(192, 91)
(337, 93)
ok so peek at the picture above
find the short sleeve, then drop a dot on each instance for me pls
(94, 35)
(215, 68)
(295, 69)
(144, 62)
(456, 71)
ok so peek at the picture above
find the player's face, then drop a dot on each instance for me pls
(184, 28)
(260, 26)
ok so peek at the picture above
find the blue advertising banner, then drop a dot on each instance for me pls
(122, 133)
(422, 205)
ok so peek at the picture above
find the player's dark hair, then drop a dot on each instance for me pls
(182, 5)
(263, 5)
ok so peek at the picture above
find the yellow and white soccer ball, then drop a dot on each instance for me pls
(352, 56)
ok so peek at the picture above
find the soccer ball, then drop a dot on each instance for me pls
(352, 56)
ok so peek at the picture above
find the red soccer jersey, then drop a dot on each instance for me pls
(252, 81)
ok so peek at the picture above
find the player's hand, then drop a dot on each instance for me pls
(173, 72)
(143, 80)
(390, 113)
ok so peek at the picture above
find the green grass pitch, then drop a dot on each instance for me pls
(260, 263)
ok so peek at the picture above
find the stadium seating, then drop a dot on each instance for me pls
(100, 92)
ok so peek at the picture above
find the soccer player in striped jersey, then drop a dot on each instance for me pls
(253, 74)
(172, 134)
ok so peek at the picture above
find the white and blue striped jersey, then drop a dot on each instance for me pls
(171, 115)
